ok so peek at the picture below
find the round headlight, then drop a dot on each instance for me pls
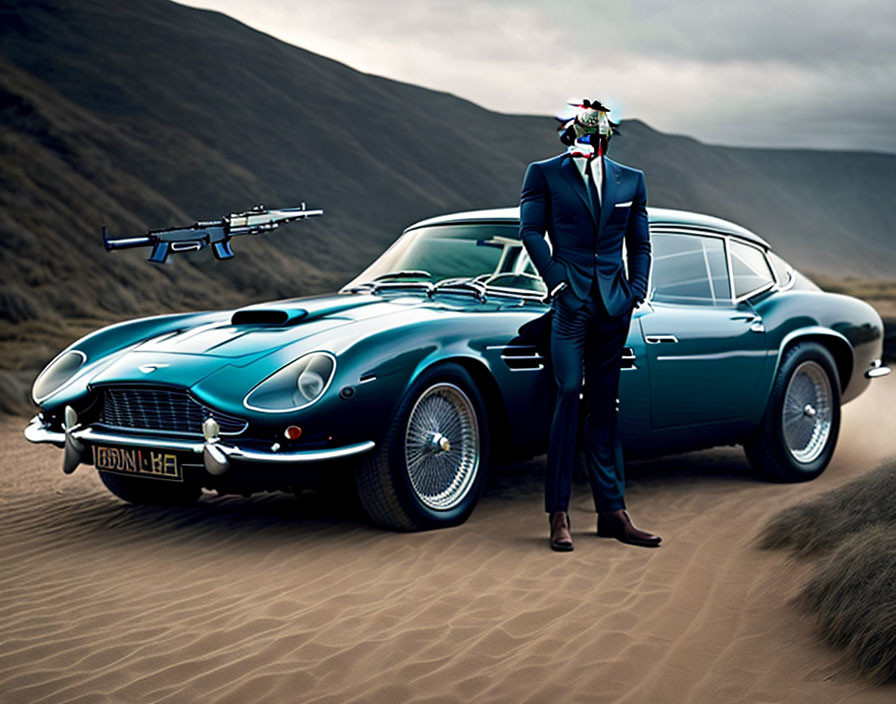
(310, 384)
(56, 373)
(297, 385)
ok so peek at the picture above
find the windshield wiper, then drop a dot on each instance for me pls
(466, 284)
(378, 282)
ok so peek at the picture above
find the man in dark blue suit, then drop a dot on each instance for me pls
(588, 205)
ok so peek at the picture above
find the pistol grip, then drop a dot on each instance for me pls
(159, 253)
(222, 250)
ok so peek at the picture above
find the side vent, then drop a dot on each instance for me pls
(628, 358)
(272, 317)
(522, 358)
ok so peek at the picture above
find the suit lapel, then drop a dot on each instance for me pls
(608, 195)
(574, 179)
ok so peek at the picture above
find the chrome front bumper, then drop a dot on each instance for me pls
(216, 454)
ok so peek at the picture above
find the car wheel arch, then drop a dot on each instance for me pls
(834, 342)
(486, 384)
(771, 449)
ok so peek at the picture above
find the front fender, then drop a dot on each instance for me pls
(102, 347)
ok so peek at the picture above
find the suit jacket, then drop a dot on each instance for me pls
(583, 245)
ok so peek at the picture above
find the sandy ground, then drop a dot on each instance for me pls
(282, 599)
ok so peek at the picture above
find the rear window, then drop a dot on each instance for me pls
(749, 269)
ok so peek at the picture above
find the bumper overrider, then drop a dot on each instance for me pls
(217, 455)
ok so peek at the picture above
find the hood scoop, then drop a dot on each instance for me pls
(271, 317)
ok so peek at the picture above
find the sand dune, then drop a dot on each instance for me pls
(282, 599)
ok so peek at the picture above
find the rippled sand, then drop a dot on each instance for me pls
(275, 598)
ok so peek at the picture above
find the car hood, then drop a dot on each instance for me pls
(243, 337)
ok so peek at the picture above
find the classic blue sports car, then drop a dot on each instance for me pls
(434, 363)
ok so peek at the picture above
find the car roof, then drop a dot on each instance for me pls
(656, 216)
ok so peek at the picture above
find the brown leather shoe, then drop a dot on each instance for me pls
(561, 538)
(618, 524)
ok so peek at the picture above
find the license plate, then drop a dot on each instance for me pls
(160, 464)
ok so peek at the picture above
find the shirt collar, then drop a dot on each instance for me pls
(597, 164)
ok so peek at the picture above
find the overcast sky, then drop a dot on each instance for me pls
(815, 73)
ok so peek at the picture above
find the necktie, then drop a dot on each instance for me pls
(592, 191)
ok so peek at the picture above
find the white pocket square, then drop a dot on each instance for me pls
(627, 204)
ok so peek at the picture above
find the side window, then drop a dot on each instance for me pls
(689, 269)
(749, 269)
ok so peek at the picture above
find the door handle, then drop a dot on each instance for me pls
(656, 339)
(746, 317)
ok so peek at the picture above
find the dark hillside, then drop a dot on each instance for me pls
(148, 114)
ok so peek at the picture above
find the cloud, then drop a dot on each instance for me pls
(764, 73)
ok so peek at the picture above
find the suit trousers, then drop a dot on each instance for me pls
(585, 337)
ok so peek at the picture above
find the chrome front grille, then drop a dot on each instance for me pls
(161, 410)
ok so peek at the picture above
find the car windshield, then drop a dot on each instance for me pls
(489, 253)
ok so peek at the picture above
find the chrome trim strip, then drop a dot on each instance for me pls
(691, 228)
(91, 435)
(714, 355)
(298, 456)
(673, 229)
(37, 432)
(509, 357)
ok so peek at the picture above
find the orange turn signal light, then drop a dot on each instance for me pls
(293, 432)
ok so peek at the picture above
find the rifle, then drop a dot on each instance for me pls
(216, 233)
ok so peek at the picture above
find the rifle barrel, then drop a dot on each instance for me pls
(128, 242)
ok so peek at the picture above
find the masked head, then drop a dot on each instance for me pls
(591, 124)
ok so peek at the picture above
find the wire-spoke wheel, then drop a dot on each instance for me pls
(806, 416)
(429, 470)
(796, 437)
(442, 446)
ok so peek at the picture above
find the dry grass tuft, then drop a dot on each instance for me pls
(853, 595)
(852, 591)
(821, 524)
